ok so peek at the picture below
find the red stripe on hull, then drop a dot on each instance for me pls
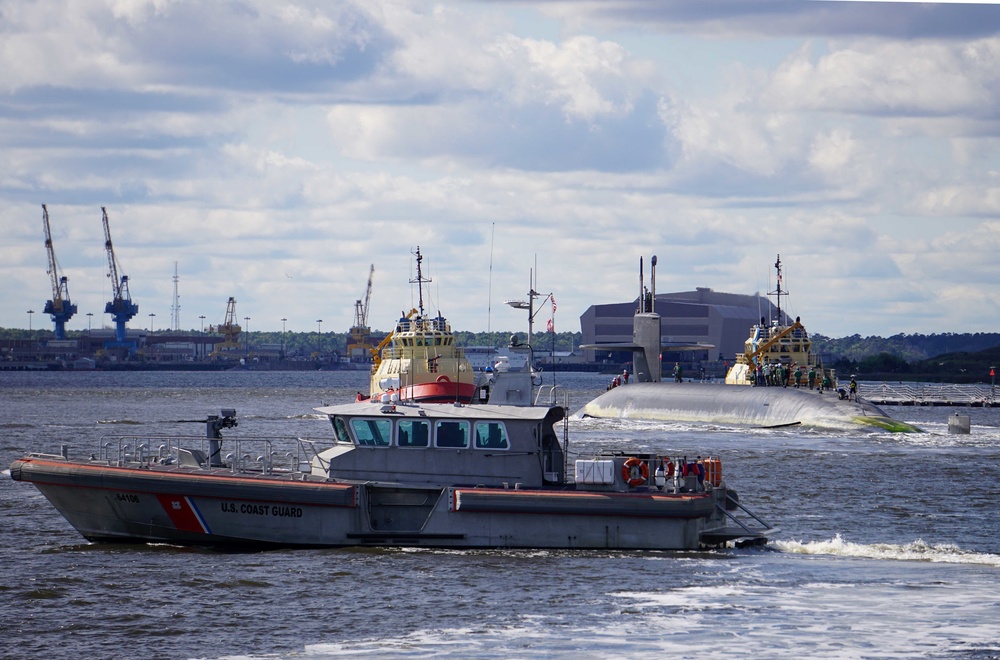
(181, 514)
(439, 392)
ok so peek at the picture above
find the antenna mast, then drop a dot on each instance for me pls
(420, 281)
(175, 310)
(778, 292)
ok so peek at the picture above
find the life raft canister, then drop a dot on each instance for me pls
(635, 471)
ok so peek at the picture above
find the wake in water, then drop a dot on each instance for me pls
(946, 553)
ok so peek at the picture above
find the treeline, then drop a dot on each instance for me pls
(909, 348)
(307, 343)
(949, 357)
(953, 357)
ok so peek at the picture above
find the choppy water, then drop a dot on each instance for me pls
(889, 546)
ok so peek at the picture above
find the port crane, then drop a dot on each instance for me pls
(230, 330)
(359, 346)
(60, 307)
(121, 307)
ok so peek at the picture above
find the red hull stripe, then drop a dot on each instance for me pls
(184, 513)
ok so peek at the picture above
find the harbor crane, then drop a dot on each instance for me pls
(359, 346)
(60, 307)
(229, 329)
(121, 307)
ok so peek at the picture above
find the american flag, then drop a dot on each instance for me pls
(553, 304)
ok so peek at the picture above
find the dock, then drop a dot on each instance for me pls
(930, 394)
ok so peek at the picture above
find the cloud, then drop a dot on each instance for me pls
(787, 18)
(276, 150)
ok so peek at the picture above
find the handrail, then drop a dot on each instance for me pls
(730, 498)
(257, 455)
(928, 393)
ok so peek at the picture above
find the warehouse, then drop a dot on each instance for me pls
(722, 320)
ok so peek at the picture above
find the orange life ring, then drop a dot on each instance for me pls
(443, 379)
(668, 467)
(635, 471)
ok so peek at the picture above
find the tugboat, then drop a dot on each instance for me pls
(418, 360)
(395, 474)
(780, 354)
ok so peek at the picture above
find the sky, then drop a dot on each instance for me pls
(274, 151)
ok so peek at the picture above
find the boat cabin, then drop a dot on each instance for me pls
(444, 445)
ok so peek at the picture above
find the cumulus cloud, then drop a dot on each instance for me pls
(277, 149)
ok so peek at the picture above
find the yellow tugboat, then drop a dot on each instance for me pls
(419, 361)
(780, 354)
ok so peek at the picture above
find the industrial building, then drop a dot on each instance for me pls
(702, 316)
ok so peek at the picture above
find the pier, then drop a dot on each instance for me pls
(930, 394)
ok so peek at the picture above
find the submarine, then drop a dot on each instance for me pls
(776, 382)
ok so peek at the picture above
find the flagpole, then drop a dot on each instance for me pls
(552, 327)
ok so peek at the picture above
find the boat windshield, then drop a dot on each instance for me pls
(340, 431)
(372, 432)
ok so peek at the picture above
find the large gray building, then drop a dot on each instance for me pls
(700, 316)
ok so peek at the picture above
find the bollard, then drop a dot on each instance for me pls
(959, 424)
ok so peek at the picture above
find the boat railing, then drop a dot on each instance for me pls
(258, 455)
(548, 395)
(432, 351)
(734, 504)
(923, 394)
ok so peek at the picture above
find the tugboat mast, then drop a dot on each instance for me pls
(419, 282)
(778, 292)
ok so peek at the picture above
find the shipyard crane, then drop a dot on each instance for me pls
(230, 331)
(59, 307)
(121, 306)
(359, 346)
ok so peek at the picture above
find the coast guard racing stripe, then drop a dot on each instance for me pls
(184, 513)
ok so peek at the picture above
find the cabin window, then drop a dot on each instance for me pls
(452, 434)
(372, 432)
(340, 430)
(491, 435)
(413, 433)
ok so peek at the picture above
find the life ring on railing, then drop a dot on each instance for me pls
(635, 471)
(668, 466)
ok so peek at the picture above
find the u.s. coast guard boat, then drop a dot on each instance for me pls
(395, 474)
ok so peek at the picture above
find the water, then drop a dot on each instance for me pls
(888, 547)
